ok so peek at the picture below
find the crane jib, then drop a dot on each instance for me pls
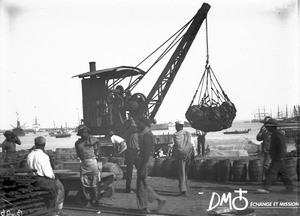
(163, 83)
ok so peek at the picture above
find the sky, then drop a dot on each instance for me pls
(253, 49)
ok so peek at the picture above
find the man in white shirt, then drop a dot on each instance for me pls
(118, 142)
(38, 160)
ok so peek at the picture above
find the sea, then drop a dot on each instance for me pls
(213, 139)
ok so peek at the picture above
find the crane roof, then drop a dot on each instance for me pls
(113, 73)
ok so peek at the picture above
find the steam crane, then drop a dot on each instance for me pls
(106, 104)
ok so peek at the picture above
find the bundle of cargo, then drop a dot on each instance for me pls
(209, 118)
(214, 111)
(19, 195)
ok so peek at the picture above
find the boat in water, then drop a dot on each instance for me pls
(237, 131)
(19, 131)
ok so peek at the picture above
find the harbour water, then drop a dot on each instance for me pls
(212, 138)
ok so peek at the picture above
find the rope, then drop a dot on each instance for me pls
(207, 53)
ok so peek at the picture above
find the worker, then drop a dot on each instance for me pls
(265, 136)
(200, 142)
(9, 148)
(182, 150)
(277, 153)
(38, 160)
(131, 153)
(86, 151)
(119, 144)
(145, 193)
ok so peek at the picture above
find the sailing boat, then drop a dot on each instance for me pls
(260, 115)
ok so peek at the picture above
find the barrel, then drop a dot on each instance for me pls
(239, 170)
(199, 168)
(211, 169)
(224, 168)
(169, 167)
(291, 167)
(255, 170)
(157, 171)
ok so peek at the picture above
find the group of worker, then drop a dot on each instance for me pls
(138, 144)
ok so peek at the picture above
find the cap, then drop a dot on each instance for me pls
(271, 123)
(40, 140)
(179, 122)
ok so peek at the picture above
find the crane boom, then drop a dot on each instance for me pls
(163, 83)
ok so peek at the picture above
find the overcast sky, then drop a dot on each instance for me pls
(252, 46)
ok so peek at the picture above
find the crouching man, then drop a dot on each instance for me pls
(37, 159)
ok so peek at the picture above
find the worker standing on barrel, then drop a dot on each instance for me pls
(89, 171)
(9, 148)
(182, 150)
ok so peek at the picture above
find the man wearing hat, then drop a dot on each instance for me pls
(182, 150)
(9, 147)
(277, 154)
(131, 153)
(38, 160)
(86, 151)
(265, 136)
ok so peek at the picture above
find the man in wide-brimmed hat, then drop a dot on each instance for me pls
(9, 148)
(277, 154)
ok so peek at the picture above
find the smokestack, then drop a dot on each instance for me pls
(92, 66)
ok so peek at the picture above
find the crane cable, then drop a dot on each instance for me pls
(170, 46)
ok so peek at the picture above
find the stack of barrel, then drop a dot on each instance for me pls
(223, 170)
(18, 194)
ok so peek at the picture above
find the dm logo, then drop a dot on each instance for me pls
(227, 198)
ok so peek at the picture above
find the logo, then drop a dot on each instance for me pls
(217, 200)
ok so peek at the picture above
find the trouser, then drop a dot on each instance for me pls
(266, 163)
(145, 193)
(131, 156)
(182, 171)
(49, 185)
(275, 168)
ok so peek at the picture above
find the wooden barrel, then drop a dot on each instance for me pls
(157, 171)
(169, 167)
(291, 166)
(255, 170)
(199, 168)
(224, 168)
(239, 170)
(211, 169)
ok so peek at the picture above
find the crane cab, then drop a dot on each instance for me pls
(103, 97)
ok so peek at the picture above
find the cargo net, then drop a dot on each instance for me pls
(214, 111)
